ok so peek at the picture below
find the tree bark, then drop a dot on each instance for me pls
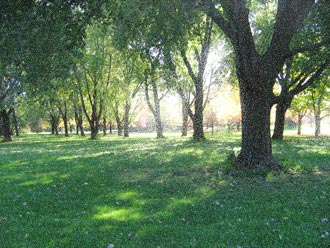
(78, 117)
(15, 120)
(256, 148)
(126, 118)
(156, 108)
(5, 117)
(317, 117)
(54, 123)
(300, 117)
(198, 79)
(110, 127)
(317, 126)
(104, 126)
(119, 125)
(184, 131)
(281, 109)
(198, 134)
(94, 126)
(64, 113)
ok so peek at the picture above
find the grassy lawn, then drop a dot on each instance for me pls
(143, 192)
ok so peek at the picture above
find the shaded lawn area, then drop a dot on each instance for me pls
(143, 192)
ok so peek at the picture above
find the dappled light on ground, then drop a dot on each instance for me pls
(142, 192)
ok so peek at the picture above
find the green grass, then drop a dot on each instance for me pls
(143, 192)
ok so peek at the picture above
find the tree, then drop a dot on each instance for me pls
(318, 98)
(302, 71)
(299, 108)
(211, 118)
(36, 36)
(257, 63)
(293, 82)
(10, 91)
(150, 81)
(257, 71)
(78, 114)
(198, 79)
(126, 84)
(93, 74)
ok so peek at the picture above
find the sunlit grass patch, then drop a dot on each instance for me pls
(144, 192)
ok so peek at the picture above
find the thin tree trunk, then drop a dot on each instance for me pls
(70, 127)
(80, 121)
(5, 117)
(119, 126)
(317, 116)
(159, 127)
(82, 132)
(317, 124)
(300, 117)
(185, 117)
(281, 109)
(104, 126)
(110, 127)
(64, 113)
(15, 120)
(54, 123)
(76, 119)
(126, 119)
(155, 109)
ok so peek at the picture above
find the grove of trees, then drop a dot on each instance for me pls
(85, 61)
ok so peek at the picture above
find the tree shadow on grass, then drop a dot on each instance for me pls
(151, 194)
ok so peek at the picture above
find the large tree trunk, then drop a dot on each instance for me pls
(256, 148)
(5, 117)
(126, 119)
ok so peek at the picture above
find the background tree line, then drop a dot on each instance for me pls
(87, 60)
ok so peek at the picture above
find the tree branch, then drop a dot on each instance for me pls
(289, 18)
(186, 103)
(302, 86)
(188, 66)
(211, 11)
(308, 48)
(146, 91)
